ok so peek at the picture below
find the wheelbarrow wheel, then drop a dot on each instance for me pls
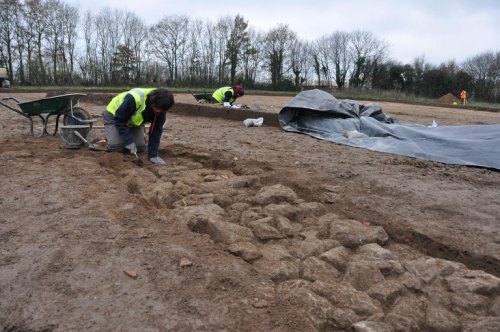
(78, 114)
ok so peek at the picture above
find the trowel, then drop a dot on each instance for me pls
(95, 147)
(91, 146)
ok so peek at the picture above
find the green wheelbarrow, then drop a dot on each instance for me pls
(65, 105)
(204, 97)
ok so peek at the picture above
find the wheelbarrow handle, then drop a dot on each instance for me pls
(82, 138)
(11, 98)
(91, 146)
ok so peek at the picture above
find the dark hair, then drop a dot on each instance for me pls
(161, 98)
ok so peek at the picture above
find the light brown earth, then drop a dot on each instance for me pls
(245, 229)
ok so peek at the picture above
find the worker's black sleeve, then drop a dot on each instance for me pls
(227, 96)
(122, 115)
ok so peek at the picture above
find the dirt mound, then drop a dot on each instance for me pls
(448, 98)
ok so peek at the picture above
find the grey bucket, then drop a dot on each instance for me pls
(71, 141)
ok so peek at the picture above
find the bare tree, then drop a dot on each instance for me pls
(134, 30)
(209, 53)
(88, 64)
(367, 51)
(195, 70)
(299, 54)
(485, 70)
(322, 59)
(420, 68)
(252, 57)
(108, 28)
(340, 56)
(7, 33)
(276, 44)
(37, 24)
(167, 38)
(54, 36)
(70, 36)
(238, 40)
(222, 29)
(39, 38)
(22, 39)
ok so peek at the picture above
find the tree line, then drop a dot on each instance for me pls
(48, 42)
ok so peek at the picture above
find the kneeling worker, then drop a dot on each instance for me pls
(126, 114)
(227, 95)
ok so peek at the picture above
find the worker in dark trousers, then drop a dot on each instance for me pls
(126, 115)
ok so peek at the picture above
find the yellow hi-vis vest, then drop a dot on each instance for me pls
(140, 96)
(219, 94)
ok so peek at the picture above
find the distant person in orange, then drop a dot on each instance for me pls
(463, 96)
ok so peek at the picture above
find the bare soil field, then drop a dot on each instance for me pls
(244, 229)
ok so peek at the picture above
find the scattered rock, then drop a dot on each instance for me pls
(240, 206)
(310, 246)
(428, 269)
(289, 211)
(315, 269)
(411, 282)
(476, 281)
(361, 275)
(276, 252)
(248, 216)
(261, 304)
(311, 208)
(274, 194)
(263, 229)
(352, 234)
(283, 225)
(204, 211)
(338, 257)
(345, 296)
(386, 292)
(220, 231)
(370, 326)
(245, 250)
(469, 303)
(131, 273)
(324, 315)
(407, 314)
(185, 262)
(437, 318)
(494, 309)
(373, 250)
(278, 271)
(486, 324)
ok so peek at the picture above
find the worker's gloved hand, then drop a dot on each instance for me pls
(132, 148)
(157, 160)
(236, 106)
(226, 104)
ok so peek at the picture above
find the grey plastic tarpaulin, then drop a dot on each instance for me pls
(319, 114)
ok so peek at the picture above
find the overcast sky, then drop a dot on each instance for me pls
(439, 30)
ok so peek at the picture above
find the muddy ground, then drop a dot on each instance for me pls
(244, 229)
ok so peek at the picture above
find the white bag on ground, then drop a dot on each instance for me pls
(253, 122)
